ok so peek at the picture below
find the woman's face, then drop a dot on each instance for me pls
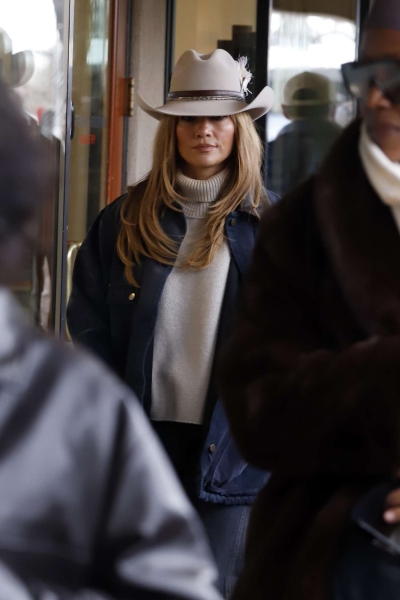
(204, 144)
(382, 117)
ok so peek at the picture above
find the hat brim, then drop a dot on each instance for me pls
(212, 108)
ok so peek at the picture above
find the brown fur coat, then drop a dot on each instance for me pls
(311, 377)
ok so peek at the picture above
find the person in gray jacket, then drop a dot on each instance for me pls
(89, 504)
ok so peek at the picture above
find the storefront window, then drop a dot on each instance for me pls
(67, 74)
(312, 106)
(89, 146)
(31, 61)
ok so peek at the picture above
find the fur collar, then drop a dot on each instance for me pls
(360, 236)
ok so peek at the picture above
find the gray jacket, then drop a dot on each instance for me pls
(89, 504)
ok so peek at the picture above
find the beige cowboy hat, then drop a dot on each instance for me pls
(211, 85)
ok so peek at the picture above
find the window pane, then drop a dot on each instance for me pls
(88, 176)
(312, 106)
(90, 144)
(31, 60)
(205, 25)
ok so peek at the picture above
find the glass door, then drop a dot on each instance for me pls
(34, 42)
(98, 84)
(88, 174)
(66, 61)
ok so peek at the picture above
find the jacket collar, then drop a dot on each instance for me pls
(360, 237)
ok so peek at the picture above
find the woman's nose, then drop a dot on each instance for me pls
(203, 127)
(377, 99)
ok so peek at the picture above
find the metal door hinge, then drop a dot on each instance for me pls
(129, 96)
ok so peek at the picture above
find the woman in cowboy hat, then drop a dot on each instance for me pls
(157, 278)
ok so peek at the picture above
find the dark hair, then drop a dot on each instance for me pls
(20, 165)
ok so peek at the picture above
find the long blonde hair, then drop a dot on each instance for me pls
(141, 233)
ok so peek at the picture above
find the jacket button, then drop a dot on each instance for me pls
(212, 448)
(233, 222)
(132, 296)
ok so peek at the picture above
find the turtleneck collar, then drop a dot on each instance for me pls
(199, 193)
(383, 174)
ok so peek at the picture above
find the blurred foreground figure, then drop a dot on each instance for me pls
(311, 379)
(300, 147)
(89, 505)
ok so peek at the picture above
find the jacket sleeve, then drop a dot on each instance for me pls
(87, 312)
(293, 403)
(14, 588)
(142, 536)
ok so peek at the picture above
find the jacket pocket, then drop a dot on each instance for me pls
(230, 465)
(228, 473)
(233, 474)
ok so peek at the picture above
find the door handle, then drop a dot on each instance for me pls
(73, 248)
(72, 129)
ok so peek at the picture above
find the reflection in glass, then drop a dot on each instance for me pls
(89, 146)
(31, 61)
(312, 105)
(88, 177)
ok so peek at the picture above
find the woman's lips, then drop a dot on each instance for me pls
(204, 148)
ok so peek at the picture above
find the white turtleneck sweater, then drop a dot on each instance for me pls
(382, 173)
(188, 316)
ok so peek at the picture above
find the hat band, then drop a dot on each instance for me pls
(206, 95)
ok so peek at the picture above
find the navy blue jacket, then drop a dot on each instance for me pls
(117, 321)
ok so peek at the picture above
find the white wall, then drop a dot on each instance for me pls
(147, 68)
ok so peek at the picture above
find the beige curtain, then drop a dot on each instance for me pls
(339, 8)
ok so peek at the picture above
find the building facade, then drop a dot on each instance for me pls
(77, 64)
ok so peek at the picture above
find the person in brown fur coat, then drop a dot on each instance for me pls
(311, 375)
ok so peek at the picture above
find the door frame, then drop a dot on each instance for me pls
(61, 225)
(119, 27)
(120, 21)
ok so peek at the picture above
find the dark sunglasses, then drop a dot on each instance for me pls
(360, 77)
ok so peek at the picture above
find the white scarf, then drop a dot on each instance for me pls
(383, 174)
